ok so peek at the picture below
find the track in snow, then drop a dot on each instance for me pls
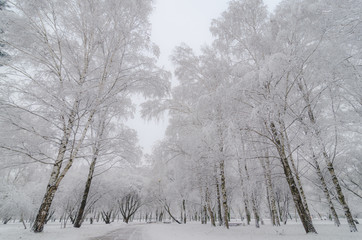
(127, 232)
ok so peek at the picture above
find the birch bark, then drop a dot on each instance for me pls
(271, 195)
(327, 159)
(279, 144)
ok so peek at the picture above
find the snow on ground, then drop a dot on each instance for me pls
(52, 231)
(291, 231)
(190, 231)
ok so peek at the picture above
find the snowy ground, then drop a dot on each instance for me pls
(190, 231)
(291, 231)
(52, 231)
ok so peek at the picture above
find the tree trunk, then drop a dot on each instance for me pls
(222, 167)
(107, 216)
(211, 214)
(255, 210)
(326, 191)
(57, 174)
(247, 211)
(80, 215)
(96, 147)
(167, 208)
(253, 198)
(22, 220)
(278, 198)
(218, 199)
(306, 221)
(245, 194)
(43, 212)
(52, 186)
(272, 218)
(270, 191)
(347, 212)
(312, 119)
(224, 194)
(205, 216)
(295, 170)
(184, 210)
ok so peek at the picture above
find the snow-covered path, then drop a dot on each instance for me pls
(53, 230)
(190, 231)
(126, 232)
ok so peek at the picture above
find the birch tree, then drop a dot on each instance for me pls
(322, 37)
(107, 150)
(76, 61)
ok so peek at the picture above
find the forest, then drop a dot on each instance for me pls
(265, 123)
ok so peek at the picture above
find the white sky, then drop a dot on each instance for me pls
(175, 22)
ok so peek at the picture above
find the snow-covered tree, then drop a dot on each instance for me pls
(74, 62)
(271, 87)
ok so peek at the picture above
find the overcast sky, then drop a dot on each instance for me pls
(175, 22)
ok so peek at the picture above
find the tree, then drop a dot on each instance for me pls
(129, 205)
(92, 166)
(313, 47)
(108, 147)
(241, 37)
(263, 81)
(83, 65)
